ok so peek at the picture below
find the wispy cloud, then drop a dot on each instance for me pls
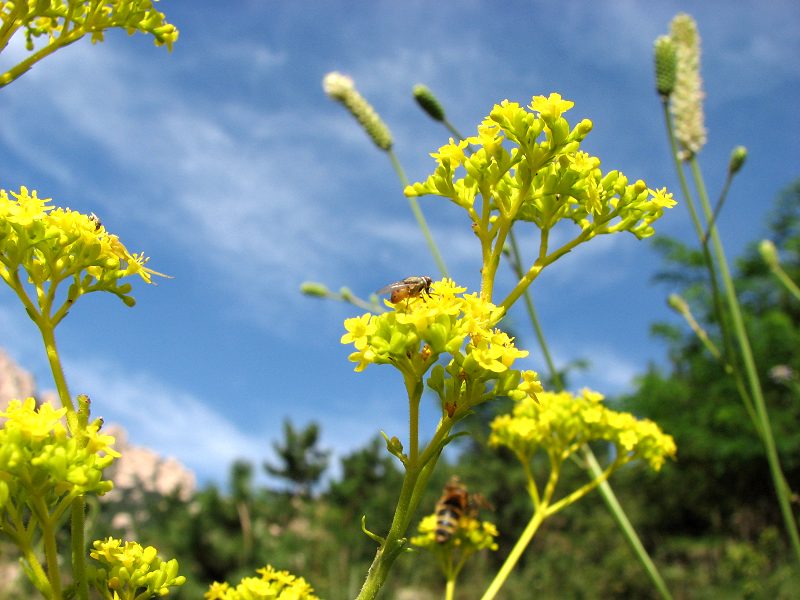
(172, 421)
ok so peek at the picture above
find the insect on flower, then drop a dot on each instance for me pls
(410, 287)
(455, 503)
(96, 220)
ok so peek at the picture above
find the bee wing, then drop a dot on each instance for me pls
(387, 289)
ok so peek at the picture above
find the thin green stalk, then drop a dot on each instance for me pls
(723, 319)
(781, 489)
(450, 589)
(516, 265)
(627, 528)
(516, 552)
(23, 537)
(716, 296)
(78, 519)
(423, 224)
(78, 539)
(50, 548)
(790, 285)
(606, 491)
(22, 67)
(418, 472)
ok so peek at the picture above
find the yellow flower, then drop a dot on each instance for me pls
(551, 107)
(662, 198)
(451, 155)
(358, 328)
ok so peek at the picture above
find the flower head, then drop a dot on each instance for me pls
(527, 165)
(52, 245)
(342, 89)
(128, 570)
(562, 422)
(39, 458)
(686, 101)
(271, 583)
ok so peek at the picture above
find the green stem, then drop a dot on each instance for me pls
(418, 472)
(606, 491)
(781, 489)
(50, 550)
(48, 337)
(450, 589)
(77, 524)
(625, 525)
(19, 69)
(790, 285)
(22, 537)
(516, 553)
(78, 519)
(516, 265)
(423, 224)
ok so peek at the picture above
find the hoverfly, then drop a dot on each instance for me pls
(454, 504)
(410, 287)
(96, 221)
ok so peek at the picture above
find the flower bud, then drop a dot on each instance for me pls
(312, 288)
(428, 102)
(665, 64)
(738, 156)
(678, 304)
(769, 253)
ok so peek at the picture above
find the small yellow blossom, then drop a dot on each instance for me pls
(551, 107)
(451, 155)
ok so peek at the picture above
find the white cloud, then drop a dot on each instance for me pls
(170, 421)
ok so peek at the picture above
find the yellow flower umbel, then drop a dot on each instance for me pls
(561, 423)
(42, 466)
(56, 245)
(420, 330)
(544, 178)
(62, 22)
(272, 584)
(130, 571)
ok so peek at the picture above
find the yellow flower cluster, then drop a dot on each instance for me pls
(55, 244)
(560, 423)
(40, 461)
(131, 571)
(272, 584)
(470, 535)
(418, 330)
(544, 178)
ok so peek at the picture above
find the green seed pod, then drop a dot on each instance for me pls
(428, 102)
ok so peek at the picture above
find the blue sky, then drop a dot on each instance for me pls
(225, 162)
